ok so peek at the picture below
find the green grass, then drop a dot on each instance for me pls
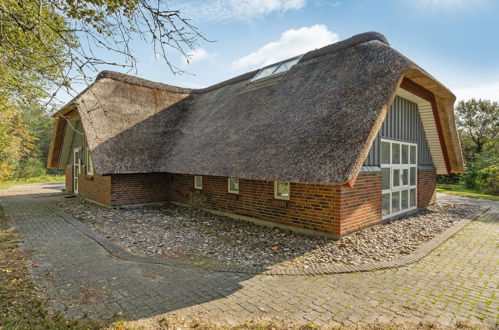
(458, 189)
(38, 179)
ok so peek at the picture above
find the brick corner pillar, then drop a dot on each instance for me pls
(360, 205)
(427, 185)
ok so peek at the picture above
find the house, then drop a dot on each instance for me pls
(341, 138)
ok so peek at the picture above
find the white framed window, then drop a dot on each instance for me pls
(90, 163)
(398, 177)
(198, 182)
(233, 185)
(282, 190)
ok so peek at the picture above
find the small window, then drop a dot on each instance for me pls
(233, 185)
(281, 190)
(90, 163)
(198, 182)
(276, 69)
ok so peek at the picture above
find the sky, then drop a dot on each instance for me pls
(456, 41)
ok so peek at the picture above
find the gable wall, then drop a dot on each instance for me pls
(402, 122)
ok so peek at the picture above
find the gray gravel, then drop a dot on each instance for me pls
(199, 237)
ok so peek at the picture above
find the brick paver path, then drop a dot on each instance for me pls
(457, 281)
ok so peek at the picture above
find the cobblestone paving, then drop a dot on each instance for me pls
(457, 281)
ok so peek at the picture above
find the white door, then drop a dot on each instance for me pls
(76, 168)
(398, 176)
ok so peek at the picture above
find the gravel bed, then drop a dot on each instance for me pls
(195, 236)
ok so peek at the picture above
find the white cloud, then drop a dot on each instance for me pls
(197, 55)
(216, 10)
(488, 91)
(291, 43)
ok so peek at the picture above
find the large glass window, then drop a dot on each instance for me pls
(385, 204)
(405, 154)
(398, 176)
(395, 153)
(385, 152)
(413, 154)
(385, 178)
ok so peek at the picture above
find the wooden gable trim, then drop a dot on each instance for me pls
(425, 94)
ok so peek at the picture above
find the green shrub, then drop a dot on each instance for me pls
(482, 173)
(31, 167)
(487, 180)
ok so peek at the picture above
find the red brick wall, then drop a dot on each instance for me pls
(138, 188)
(309, 207)
(96, 187)
(359, 206)
(68, 172)
(427, 184)
(333, 209)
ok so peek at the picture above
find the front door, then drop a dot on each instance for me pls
(399, 177)
(76, 168)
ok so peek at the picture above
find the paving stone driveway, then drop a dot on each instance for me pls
(457, 281)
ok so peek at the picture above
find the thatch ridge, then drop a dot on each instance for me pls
(133, 80)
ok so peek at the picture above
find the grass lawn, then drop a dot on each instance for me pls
(20, 308)
(458, 189)
(38, 179)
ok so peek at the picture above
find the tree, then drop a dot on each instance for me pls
(15, 140)
(47, 44)
(478, 124)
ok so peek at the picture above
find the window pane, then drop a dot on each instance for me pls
(405, 199)
(385, 178)
(413, 154)
(234, 184)
(385, 152)
(413, 176)
(265, 72)
(395, 201)
(283, 189)
(385, 204)
(405, 154)
(395, 153)
(405, 177)
(413, 197)
(198, 181)
(286, 66)
(396, 177)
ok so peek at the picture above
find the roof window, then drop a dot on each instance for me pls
(276, 69)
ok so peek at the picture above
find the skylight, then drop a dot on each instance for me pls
(276, 69)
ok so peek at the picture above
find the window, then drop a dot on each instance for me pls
(233, 185)
(198, 182)
(281, 190)
(90, 163)
(276, 69)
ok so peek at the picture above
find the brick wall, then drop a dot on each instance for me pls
(138, 188)
(427, 183)
(310, 205)
(359, 206)
(68, 172)
(333, 209)
(96, 187)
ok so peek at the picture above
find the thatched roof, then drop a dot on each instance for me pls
(316, 124)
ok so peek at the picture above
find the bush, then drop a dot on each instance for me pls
(487, 180)
(30, 168)
(482, 173)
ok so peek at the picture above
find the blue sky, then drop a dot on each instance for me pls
(457, 41)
